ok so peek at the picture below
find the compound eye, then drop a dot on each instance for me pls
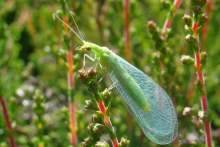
(88, 49)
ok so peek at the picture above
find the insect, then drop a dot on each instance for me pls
(148, 102)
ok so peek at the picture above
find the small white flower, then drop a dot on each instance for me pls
(20, 92)
(25, 102)
(186, 111)
(201, 114)
(192, 138)
(102, 144)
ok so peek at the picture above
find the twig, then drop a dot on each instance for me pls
(100, 14)
(193, 24)
(200, 78)
(127, 51)
(11, 139)
(208, 13)
(204, 101)
(106, 119)
(71, 105)
(169, 19)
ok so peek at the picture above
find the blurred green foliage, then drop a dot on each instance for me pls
(32, 57)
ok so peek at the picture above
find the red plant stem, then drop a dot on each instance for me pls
(115, 142)
(168, 21)
(200, 78)
(128, 51)
(72, 111)
(177, 4)
(70, 78)
(208, 12)
(11, 139)
(167, 24)
(204, 101)
(107, 121)
(191, 89)
(127, 41)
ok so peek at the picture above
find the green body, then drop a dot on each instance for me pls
(129, 84)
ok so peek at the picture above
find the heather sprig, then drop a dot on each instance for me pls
(101, 123)
(38, 119)
(194, 23)
(8, 125)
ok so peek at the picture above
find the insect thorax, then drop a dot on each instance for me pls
(99, 51)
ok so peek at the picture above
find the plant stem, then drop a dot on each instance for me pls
(71, 105)
(106, 119)
(191, 89)
(11, 139)
(72, 124)
(100, 15)
(168, 21)
(127, 42)
(200, 78)
(127, 50)
(208, 12)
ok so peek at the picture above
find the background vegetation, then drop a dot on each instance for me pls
(33, 69)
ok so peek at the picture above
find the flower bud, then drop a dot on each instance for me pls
(87, 142)
(186, 111)
(96, 118)
(124, 142)
(152, 26)
(186, 59)
(89, 104)
(188, 20)
(203, 19)
(191, 41)
(102, 144)
(203, 57)
(98, 128)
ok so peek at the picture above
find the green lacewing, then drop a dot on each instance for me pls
(148, 102)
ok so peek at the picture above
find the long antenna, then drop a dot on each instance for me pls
(78, 30)
(68, 26)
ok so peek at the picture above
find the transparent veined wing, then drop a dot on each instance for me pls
(160, 123)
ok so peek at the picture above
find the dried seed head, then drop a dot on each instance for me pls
(83, 74)
(92, 72)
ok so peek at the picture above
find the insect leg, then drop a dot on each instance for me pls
(86, 56)
(112, 86)
(93, 59)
